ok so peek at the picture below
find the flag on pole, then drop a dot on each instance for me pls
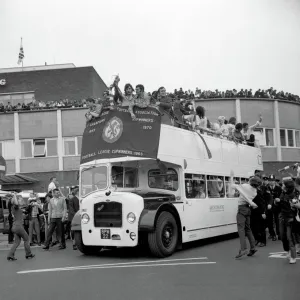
(21, 54)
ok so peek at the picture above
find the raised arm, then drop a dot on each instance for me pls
(257, 124)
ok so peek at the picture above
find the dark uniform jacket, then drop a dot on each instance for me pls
(275, 192)
(267, 195)
(284, 206)
(261, 204)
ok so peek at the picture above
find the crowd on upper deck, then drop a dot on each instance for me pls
(178, 93)
(180, 112)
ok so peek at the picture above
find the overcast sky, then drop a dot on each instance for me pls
(213, 44)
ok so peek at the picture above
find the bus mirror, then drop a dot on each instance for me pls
(77, 175)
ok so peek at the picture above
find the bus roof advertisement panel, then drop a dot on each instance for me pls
(115, 134)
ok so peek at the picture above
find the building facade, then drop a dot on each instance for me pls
(41, 144)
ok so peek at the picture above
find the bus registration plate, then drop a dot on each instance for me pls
(105, 234)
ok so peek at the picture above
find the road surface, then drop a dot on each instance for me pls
(203, 270)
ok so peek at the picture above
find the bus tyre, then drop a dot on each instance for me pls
(163, 241)
(87, 250)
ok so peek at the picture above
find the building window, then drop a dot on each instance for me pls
(8, 149)
(269, 133)
(166, 181)
(195, 186)
(282, 138)
(290, 135)
(26, 149)
(297, 138)
(236, 180)
(69, 147)
(79, 144)
(215, 186)
(39, 148)
(124, 177)
(72, 146)
(51, 147)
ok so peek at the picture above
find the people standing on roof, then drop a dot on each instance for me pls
(141, 100)
(17, 203)
(248, 192)
(237, 133)
(200, 120)
(221, 127)
(165, 106)
(94, 109)
(125, 99)
(288, 205)
(248, 131)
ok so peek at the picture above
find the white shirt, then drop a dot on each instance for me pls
(51, 187)
(247, 193)
(250, 130)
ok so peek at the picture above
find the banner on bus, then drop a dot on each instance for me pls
(115, 134)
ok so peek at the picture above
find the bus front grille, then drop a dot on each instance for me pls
(108, 214)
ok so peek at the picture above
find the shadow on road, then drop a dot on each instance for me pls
(143, 252)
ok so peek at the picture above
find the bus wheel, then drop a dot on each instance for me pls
(87, 250)
(163, 241)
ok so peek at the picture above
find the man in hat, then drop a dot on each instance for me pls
(269, 204)
(275, 191)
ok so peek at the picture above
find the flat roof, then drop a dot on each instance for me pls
(37, 68)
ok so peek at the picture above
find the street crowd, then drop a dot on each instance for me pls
(38, 221)
(263, 203)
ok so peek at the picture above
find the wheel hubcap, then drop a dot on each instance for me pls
(167, 235)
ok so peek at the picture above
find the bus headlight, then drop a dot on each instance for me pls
(85, 218)
(131, 217)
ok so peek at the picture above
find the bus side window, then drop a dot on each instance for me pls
(236, 180)
(215, 186)
(195, 187)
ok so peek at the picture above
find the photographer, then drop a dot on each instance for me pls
(288, 210)
(34, 210)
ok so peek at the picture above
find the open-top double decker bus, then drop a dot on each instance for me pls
(146, 182)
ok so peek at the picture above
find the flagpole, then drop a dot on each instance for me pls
(22, 47)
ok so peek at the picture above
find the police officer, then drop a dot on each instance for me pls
(258, 219)
(275, 191)
(269, 204)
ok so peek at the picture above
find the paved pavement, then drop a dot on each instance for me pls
(203, 270)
